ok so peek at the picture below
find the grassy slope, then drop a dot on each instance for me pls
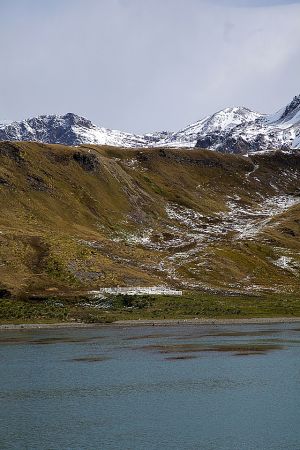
(74, 219)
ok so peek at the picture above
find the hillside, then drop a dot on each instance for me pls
(75, 220)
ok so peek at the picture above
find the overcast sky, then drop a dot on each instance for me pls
(145, 65)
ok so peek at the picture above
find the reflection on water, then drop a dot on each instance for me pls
(95, 358)
(177, 387)
(199, 348)
(24, 338)
(183, 357)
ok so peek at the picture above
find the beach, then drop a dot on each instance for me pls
(161, 322)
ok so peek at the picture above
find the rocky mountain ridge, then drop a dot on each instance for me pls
(231, 130)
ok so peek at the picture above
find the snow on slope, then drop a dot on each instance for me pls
(234, 130)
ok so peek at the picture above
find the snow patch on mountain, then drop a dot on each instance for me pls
(288, 263)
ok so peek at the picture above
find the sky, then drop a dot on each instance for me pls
(147, 65)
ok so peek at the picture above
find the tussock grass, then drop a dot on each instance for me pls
(190, 306)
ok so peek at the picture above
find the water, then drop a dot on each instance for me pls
(234, 387)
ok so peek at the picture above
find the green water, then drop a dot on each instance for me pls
(181, 387)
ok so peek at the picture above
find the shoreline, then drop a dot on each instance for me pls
(149, 322)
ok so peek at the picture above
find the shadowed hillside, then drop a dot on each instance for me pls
(78, 219)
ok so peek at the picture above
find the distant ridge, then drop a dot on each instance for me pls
(231, 130)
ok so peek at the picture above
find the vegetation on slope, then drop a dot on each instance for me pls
(190, 306)
(75, 219)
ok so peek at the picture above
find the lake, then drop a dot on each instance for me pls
(164, 387)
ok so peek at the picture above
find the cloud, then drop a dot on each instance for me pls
(142, 65)
(257, 3)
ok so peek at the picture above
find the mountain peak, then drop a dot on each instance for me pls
(74, 119)
(69, 119)
(292, 107)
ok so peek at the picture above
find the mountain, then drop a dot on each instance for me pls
(232, 130)
(80, 219)
(78, 222)
(219, 123)
(261, 133)
(68, 129)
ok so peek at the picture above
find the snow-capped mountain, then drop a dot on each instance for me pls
(234, 130)
(220, 122)
(263, 132)
(68, 129)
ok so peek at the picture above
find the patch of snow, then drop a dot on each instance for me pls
(135, 290)
(248, 222)
(288, 263)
